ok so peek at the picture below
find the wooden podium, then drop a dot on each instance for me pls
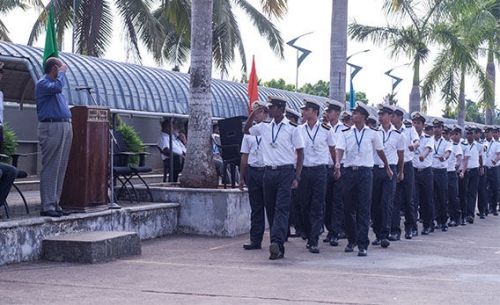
(86, 182)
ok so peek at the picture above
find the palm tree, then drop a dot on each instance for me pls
(461, 41)
(493, 51)
(199, 170)
(94, 24)
(174, 16)
(338, 50)
(410, 40)
(8, 5)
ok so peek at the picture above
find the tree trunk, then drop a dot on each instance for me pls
(338, 50)
(415, 89)
(461, 100)
(490, 71)
(199, 170)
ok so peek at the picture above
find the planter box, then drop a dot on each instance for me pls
(212, 212)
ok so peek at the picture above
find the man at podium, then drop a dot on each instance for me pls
(54, 134)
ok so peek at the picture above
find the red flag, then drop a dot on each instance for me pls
(253, 90)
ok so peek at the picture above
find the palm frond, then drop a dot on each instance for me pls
(265, 27)
(274, 8)
(4, 32)
(94, 27)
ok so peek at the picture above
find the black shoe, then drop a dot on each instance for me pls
(408, 235)
(385, 243)
(314, 249)
(50, 214)
(362, 252)
(342, 235)
(328, 237)
(481, 216)
(334, 242)
(444, 228)
(394, 237)
(275, 252)
(252, 246)
(495, 213)
(470, 219)
(452, 223)
(349, 248)
(426, 231)
(376, 242)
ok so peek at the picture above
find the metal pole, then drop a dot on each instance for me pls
(112, 204)
(297, 74)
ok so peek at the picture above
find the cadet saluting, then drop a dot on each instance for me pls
(318, 145)
(359, 144)
(282, 145)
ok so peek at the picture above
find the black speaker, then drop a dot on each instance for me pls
(231, 135)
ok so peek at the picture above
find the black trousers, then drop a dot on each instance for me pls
(277, 198)
(382, 201)
(482, 199)
(403, 200)
(255, 183)
(178, 165)
(334, 209)
(295, 217)
(453, 203)
(357, 200)
(312, 189)
(491, 188)
(472, 180)
(441, 194)
(462, 195)
(424, 190)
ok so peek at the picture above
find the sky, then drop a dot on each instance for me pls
(303, 16)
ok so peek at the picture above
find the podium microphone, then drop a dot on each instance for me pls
(80, 88)
(89, 92)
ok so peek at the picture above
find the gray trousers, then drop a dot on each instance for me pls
(55, 143)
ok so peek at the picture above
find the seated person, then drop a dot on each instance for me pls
(178, 149)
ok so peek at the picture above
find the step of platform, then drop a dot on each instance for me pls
(91, 247)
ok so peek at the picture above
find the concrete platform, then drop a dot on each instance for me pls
(91, 247)
(21, 239)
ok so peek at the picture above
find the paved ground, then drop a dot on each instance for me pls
(461, 266)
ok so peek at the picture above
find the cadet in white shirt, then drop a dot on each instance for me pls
(453, 136)
(359, 144)
(491, 158)
(472, 173)
(482, 200)
(282, 147)
(319, 147)
(178, 150)
(384, 187)
(403, 199)
(252, 174)
(334, 210)
(463, 182)
(440, 154)
(422, 162)
(295, 217)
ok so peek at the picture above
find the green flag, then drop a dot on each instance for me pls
(50, 38)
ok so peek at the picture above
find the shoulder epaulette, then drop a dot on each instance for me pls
(346, 129)
(397, 131)
(465, 143)
(326, 126)
(455, 143)
(293, 124)
(375, 129)
(427, 136)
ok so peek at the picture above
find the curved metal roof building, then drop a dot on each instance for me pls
(123, 87)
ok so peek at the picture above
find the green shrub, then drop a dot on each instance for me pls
(132, 140)
(9, 143)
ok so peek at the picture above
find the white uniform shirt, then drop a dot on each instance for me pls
(425, 142)
(337, 130)
(317, 142)
(452, 160)
(251, 145)
(279, 142)
(178, 147)
(393, 142)
(359, 146)
(411, 135)
(472, 152)
(441, 146)
(492, 148)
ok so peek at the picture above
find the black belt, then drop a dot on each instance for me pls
(55, 120)
(257, 168)
(279, 167)
(357, 168)
(314, 167)
(422, 169)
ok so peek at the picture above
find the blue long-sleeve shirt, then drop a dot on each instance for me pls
(50, 101)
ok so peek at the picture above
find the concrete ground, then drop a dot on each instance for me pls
(461, 266)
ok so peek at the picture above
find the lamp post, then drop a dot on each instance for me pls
(395, 80)
(354, 70)
(300, 57)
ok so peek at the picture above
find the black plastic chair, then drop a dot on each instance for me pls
(20, 175)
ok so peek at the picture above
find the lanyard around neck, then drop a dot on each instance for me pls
(273, 137)
(360, 139)
(437, 149)
(315, 133)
